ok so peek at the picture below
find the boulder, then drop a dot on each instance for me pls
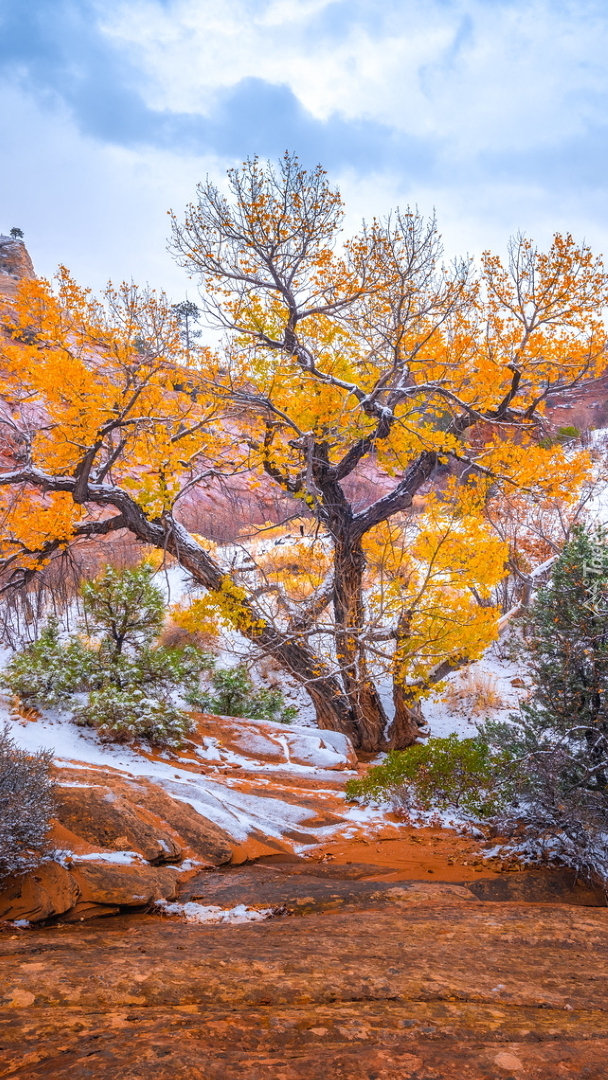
(125, 886)
(106, 818)
(49, 890)
(87, 890)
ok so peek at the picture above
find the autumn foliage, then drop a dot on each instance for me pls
(337, 356)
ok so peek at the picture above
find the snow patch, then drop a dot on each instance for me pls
(123, 858)
(209, 913)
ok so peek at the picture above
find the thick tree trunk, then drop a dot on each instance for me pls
(332, 708)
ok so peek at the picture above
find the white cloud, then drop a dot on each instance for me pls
(480, 75)
(507, 100)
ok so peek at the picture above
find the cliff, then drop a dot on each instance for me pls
(15, 264)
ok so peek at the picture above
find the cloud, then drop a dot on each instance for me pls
(62, 58)
(492, 110)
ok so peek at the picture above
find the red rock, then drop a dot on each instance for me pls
(125, 886)
(112, 807)
(440, 990)
(278, 743)
(103, 816)
(48, 890)
(15, 264)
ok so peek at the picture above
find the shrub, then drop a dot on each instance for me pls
(444, 774)
(26, 805)
(568, 432)
(476, 694)
(236, 695)
(130, 681)
(120, 714)
(47, 673)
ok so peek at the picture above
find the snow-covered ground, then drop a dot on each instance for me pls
(481, 690)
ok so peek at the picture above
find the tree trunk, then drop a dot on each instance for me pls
(332, 708)
(408, 724)
(368, 712)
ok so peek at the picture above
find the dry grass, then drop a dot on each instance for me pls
(475, 693)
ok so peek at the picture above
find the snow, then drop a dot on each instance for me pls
(218, 800)
(494, 670)
(122, 858)
(201, 913)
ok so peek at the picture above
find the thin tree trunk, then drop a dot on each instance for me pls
(408, 723)
(367, 709)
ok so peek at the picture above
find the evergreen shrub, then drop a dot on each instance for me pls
(233, 693)
(445, 774)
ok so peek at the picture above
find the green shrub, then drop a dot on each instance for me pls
(47, 673)
(569, 431)
(450, 773)
(236, 695)
(120, 714)
(562, 435)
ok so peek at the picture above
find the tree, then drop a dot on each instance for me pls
(17, 234)
(557, 746)
(128, 608)
(187, 315)
(369, 356)
(566, 645)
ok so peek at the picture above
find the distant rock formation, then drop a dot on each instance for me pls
(15, 264)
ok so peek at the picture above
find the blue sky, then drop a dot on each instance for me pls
(494, 112)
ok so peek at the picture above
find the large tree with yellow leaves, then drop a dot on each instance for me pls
(334, 357)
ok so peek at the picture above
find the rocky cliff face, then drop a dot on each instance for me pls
(15, 264)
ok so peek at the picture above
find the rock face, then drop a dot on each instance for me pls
(114, 812)
(15, 264)
(49, 890)
(117, 822)
(266, 741)
(433, 988)
(85, 891)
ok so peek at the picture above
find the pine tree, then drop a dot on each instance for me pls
(567, 647)
(125, 606)
(557, 746)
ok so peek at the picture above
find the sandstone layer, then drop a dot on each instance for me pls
(424, 986)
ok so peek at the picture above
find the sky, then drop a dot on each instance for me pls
(493, 113)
